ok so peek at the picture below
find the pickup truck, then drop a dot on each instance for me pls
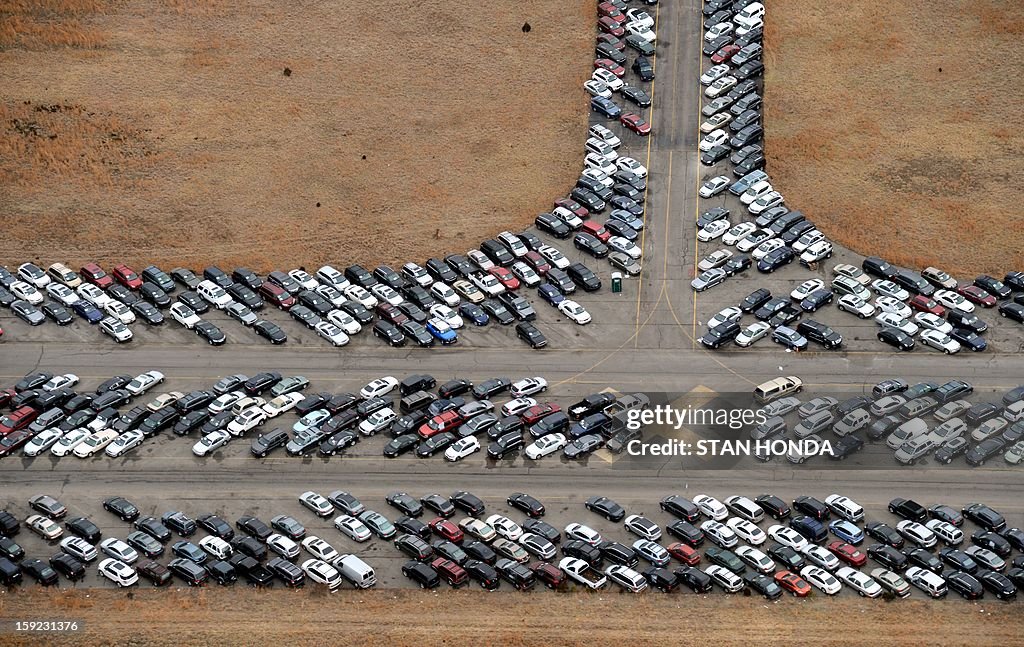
(591, 404)
(628, 403)
(580, 571)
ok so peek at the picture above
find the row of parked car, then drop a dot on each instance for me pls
(809, 546)
(919, 422)
(458, 419)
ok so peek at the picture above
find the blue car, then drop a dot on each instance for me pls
(87, 311)
(442, 331)
(628, 218)
(474, 313)
(311, 420)
(969, 339)
(551, 294)
(606, 107)
(847, 531)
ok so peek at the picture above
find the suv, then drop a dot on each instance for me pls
(820, 333)
(531, 335)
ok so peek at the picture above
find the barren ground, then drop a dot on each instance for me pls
(215, 616)
(895, 126)
(171, 132)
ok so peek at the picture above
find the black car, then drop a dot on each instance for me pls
(720, 335)
(405, 503)
(216, 526)
(896, 338)
(338, 442)
(504, 445)
(846, 447)
(993, 286)
(305, 316)
(194, 301)
(254, 527)
(986, 449)
(755, 300)
(148, 313)
(260, 382)
(401, 445)
(985, 517)
(908, 509)
(480, 551)
(68, 566)
(787, 558)
(584, 277)
(388, 332)
(965, 584)
(9, 525)
(526, 503)
(468, 503)
(288, 526)
(123, 508)
(554, 225)
(243, 294)
(154, 295)
(438, 504)
(41, 572)
(144, 544)
(58, 313)
(531, 335)
(421, 574)
(617, 553)
(482, 573)
(434, 444)
(82, 527)
(11, 550)
(887, 556)
(958, 559)
(925, 559)
(644, 68)
(186, 277)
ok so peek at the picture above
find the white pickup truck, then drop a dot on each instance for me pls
(580, 571)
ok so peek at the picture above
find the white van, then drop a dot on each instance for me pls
(1015, 411)
(749, 15)
(777, 388)
(356, 571)
(906, 432)
(744, 508)
(215, 294)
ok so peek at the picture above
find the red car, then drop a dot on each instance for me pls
(94, 274)
(6, 395)
(596, 229)
(447, 421)
(537, 262)
(793, 583)
(684, 553)
(10, 443)
(848, 553)
(636, 123)
(538, 411)
(610, 65)
(17, 419)
(573, 206)
(450, 571)
(277, 295)
(551, 575)
(724, 54)
(610, 10)
(446, 529)
(610, 26)
(505, 277)
(391, 313)
(926, 304)
(977, 295)
(126, 276)
(611, 40)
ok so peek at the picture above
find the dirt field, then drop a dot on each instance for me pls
(280, 134)
(240, 616)
(895, 126)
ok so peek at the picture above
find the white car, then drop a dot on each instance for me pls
(316, 503)
(303, 278)
(554, 256)
(321, 572)
(354, 528)
(79, 548)
(754, 239)
(738, 232)
(283, 546)
(379, 387)
(319, 548)
(120, 311)
(809, 238)
(713, 231)
(94, 295)
(94, 443)
(599, 162)
(115, 329)
(528, 386)
(345, 321)
(144, 382)
(714, 73)
(752, 333)
(855, 305)
(712, 139)
(247, 420)
(445, 294)
(545, 445)
(211, 442)
(631, 165)
(334, 335)
(863, 584)
(642, 527)
(893, 320)
(386, 294)
(953, 300)
(42, 441)
(583, 533)
(820, 579)
(626, 246)
(946, 531)
(608, 78)
(917, 533)
(815, 252)
(63, 294)
(732, 313)
(68, 442)
(377, 421)
(184, 315)
(604, 134)
(714, 186)
(332, 294)
(939, 341)
(447, 315)
(359, 294)
(721, 86)
(505, 527)
(723, 577)
(225, 402)
(597, 88)
(820, 556)
(931, 321)
(44, 527)
(517, 406)
(478, 529)
(765, 202)
(716, 121)
(715, 259)
(755, 191)
(747, 531)
(26, 292)
(802, 291)
(719, 534)
(895, 306)
(118, 572)
(639, 16)
(119, 550)
(282, 403)
(462, 448)
(67, 380)
(886, 288)
(718, 30)
(787, 537)
(852, 272)
(164, 400)
(766, 248)
(124, 443)
(709, 505)
(641, 30)
(329, 275)
(574, 311)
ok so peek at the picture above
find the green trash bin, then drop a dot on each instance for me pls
(616, 282)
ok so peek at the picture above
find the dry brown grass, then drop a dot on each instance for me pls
(403, 131)
(238, 616)
(895, 126)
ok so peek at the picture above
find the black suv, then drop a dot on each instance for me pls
(531, 335)
(268, 442)
(584, 277)
(818, 332)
